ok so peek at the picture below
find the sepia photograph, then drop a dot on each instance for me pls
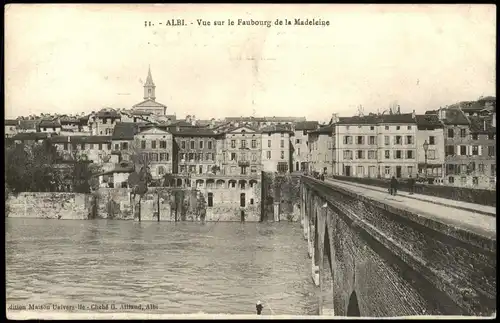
(254, 161)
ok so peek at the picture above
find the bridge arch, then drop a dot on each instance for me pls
(353, 306)
(326, 276)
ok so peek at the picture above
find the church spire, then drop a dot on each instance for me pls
(149, 87)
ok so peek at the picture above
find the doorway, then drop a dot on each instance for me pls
(398, 171)
(348, 171)
(242, 199)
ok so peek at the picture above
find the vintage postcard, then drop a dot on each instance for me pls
(250, 161)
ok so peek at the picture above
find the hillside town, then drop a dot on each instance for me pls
(453, 145)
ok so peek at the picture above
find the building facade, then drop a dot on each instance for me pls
(154, 146)
(300, 148)
(322, 150)
(103, 122)
(430, 135)
(276, 149)
(242, 152)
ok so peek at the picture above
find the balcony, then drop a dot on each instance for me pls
(243, 163)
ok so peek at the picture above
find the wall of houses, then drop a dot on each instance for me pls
(276, 152)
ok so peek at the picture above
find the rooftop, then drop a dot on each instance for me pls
(428, 120)
(306, 125)
(125, 130)
(30, 136)
(81, 139)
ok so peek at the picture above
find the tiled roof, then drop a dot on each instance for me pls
(9, 122)
(487, 98)
(193, 132)
(149, 103)
(108, 113)
(324, 130)
(125, 130)
(140, 113)
(30, 136)
(266, 119)
(397, 118)
(181, 123)
(306, 125)
(481, 125)
(431, 112)
(428, 120)
(49, 124)
(28, 124)
(277, 128)
(81, 139)
(355, 120)
(455, 117)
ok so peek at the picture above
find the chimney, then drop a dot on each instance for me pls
(399, 109)
(413, 115)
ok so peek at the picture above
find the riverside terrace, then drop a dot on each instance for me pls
(376, 255)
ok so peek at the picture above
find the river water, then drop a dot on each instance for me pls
(180, 268)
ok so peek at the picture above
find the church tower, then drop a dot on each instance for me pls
(149, 87)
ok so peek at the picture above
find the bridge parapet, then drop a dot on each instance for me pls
(378, 259)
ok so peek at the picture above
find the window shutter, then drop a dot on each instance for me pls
(458, 151)
(480, 150)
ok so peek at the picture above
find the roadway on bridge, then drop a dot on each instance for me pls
(446, 211)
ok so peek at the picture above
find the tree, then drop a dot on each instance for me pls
(141, 177)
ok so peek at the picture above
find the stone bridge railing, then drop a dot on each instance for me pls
(375, 260)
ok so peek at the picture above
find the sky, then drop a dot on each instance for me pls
(81, 58)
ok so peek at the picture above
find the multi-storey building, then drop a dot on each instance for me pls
(260, 122)
(103, 122)
(356, 141)
(195, 151)
(457, 145)
(242, 152)
(300, 157)
(155, 148)
(430, 136)
(481, 169)
(50, 126)
(276, 148)
(321, 143)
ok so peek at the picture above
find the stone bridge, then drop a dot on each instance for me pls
(376, 255)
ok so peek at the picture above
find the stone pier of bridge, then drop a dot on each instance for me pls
(378, 256)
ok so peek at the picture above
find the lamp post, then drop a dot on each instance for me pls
(426, 146)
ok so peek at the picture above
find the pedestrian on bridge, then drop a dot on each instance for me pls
(411, 185)
(394, 186)
(259, 307)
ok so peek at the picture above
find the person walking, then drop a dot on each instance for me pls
(394, 185)
(259, 307)
(411, 185)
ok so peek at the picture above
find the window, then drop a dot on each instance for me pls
(372, 154)
(298, 151)
(347, 140)
(386, 127)
(493, 169)
(201, 144)
(253, 169)
(360, 154)
(360, 140)
(233, 156)
(82, 146)
(200, 169)
(431, 154)
(450, 150)
(474, 136)
(153, 144)
(210, 199)
(269, 144)
(387, 154)
(254, 157)
(243, 156)
(254, 143)
(117, 146)
(432, 140)
(491, 151)
(463, 168)
(397, 140)
(183, 144)
(475, 181)
(282, 143)
(371, 140)
(207, 156)
(209, 144)
(491, 136)
(463, 180)
(409, 154)
(162, 156)
(387, 170)
(161, 169)
(398, 127)
(347, 154)
(243, 144)
(282, 154)
(409, 127)
(463, 150)
(100, 146)
(109, 146)
(398, 154)
(463, 133)
(282, 167)
(153, 157)
(387, 140)
(124, 145)
(251, 201)
(451, 179)
(298, 141)
(360, 171)
(65, 146)
(372, 128)
(143, 144)
(233, 143)
(243, 170)
(451, 133)
(191, 156)
(480, 168)
(475, 150)
(409, 140)
(410, 170)
(268, 153)
(192, 144)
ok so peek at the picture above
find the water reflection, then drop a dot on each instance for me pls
(181, 267)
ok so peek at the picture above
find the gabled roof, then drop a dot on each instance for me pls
(329, 129)
(10, 122)
(357, 120)
(152, 129)
(397, 118)
(194, 132)
(234, 129)
(428, 120)
(80, 139)
(306, 125)
(455, 116)
(125, 130)
(148, 103)
(30, 136)
(49, 123)
(279, 128)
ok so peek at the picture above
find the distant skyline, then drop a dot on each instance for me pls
(81, 58)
